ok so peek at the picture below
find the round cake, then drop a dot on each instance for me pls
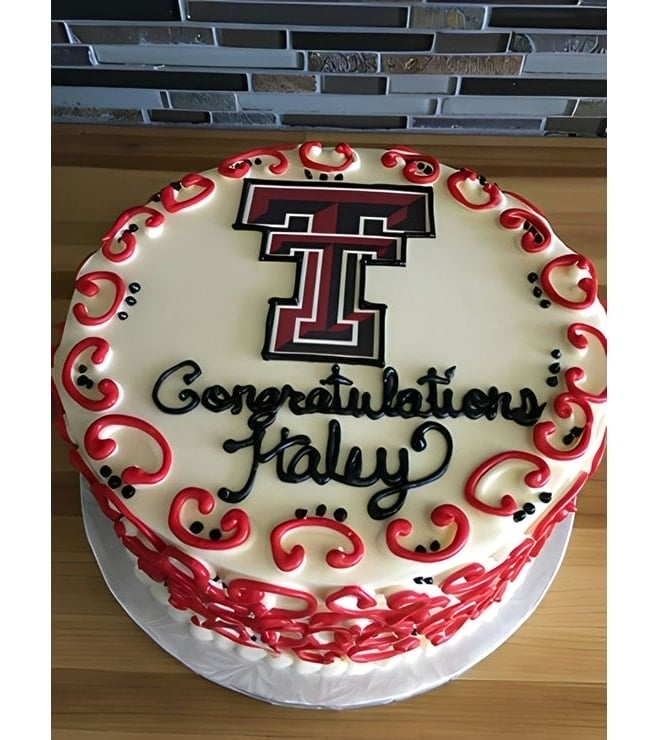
(333, 400)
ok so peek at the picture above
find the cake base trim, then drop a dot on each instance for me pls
(226, 664)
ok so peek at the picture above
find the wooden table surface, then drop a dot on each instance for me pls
(111, 682)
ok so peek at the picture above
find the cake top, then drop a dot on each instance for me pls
(316, 367)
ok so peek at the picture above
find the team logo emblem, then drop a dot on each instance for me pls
(332, 233)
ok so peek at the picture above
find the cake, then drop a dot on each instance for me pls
(334, 401)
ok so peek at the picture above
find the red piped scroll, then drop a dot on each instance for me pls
(307, 148)
(537, 234)
(412, 159)
(125, 236)
(173, 205)
(589, 285)
(100, 448)
(251, 594)
(577, 336)
(234, 521)
(88, 286)
(536, 478)
(563, 407)
(444, 515)
(108, 389)
(240, 165)
(492, 190)
(294, 559)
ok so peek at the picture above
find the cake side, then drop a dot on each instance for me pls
(389, 387)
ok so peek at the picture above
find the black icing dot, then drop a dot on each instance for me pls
(555, 367)
(339, 176)
(417, 579)
(82, 368)
(552, 382)
(536, 292)
(545, 497)
(482, 180)
(215, 534)
(134, 287)
(122, 315)
(577, 431)
(300, 513)
(114, 481)
(128, 491)
(324, 176)
(568, 438)
(420, 548)
(340, 515)
(83, 380)
(428, 580)
(131, 300)
(556, 353)
(533, 277)
(196, 527)
(544, 303)
(105, 471)
(133, 227)
(155, 197)
(308, 175)
(421, 166)
(258, 160)
(435, 545)
(176, 185)
(519, 516)
(321, 510)
(529, 508)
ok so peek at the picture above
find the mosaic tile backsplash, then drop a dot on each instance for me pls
(501, 67)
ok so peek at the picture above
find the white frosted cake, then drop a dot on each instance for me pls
(334, 401)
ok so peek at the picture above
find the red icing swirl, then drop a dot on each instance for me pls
(536, 478)
(99, 448)
(492, 190)
(235, 521)
(412, 161)
(312, 164)
(293, 559)
(563, 407)
(442, 516)
(88, 285)
(173, 205)
(126, 236)
(240, 165)
(589, 285)
(108, 389)
(537, 234)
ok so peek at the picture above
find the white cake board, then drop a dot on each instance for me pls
(285, 686)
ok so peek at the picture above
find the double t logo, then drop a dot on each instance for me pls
(332, 232)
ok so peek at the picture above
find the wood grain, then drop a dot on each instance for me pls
(111, 682)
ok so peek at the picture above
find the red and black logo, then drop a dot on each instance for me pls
(332, 233)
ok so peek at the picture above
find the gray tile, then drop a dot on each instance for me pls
(596, 108)
(502, 106)
(455, 18)
(564, 43)
(252, 38)
(565, 64)
(475, 126)
(109, 34)
(105, 97)
(471, 43)
(202, 100)
(296, 14)
(335, 61)
(246, 119)
(345, 123)
(575, 126)
(363, 41)
(70, 55)
(338, 104)
(453, 64)
(354, 84)
(58, 34)
(198, 56)
(98, 115)
(420, 83)
(179, 116)
(283, 83)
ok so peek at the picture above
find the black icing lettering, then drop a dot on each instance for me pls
(187, 395)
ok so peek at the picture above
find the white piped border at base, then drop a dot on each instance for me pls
(263, 679)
